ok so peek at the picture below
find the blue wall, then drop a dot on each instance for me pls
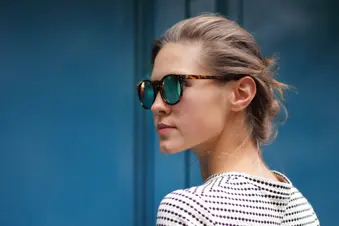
(67, 106)
(305, 34)
(76, 148)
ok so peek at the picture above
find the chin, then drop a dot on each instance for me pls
(170, 148)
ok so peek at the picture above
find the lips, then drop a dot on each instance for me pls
(163, 126)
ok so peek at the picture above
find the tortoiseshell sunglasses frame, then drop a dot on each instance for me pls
(159, 84)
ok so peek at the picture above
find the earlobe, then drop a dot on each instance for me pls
(244, 91)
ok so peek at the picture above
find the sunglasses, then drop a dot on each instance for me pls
(171, 87)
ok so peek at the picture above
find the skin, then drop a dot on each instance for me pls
(210, 118)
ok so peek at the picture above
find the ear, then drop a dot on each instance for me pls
(244, 91)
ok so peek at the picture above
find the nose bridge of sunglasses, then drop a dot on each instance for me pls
(157, 86)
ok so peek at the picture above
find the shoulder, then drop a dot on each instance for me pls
(183, 207)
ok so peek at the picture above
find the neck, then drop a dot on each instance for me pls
(232, 151)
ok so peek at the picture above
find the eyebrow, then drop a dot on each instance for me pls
(158, 78)
(169, 73)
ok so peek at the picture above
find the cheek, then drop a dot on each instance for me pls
(200, 117)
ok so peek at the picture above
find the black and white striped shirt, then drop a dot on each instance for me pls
(237, 199)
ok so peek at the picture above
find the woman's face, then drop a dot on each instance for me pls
(202, 111)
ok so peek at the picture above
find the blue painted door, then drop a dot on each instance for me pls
(67, 106)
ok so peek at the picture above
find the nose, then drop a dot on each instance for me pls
(159, 106)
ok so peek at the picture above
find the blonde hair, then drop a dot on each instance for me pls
(229, 49)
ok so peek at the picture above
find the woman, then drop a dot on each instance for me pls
(213, 93)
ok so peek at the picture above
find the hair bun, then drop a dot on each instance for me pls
(274, 108)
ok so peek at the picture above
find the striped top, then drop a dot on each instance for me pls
(237, 199)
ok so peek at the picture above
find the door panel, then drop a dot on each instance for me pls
(66, 146)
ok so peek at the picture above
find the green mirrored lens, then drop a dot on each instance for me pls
(172, 89)
(146, 94)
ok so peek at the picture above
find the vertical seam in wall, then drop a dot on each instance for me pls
(143, 135)
(187, 154)
(139, 123)
(241, 12)
(221, 7)
(135, 124)
(150, 168)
